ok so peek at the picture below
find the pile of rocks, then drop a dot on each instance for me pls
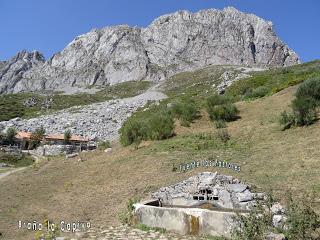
(99, 120)
(30, 102)
(221, 190)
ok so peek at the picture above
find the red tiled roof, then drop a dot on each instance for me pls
(27, 135)
(61, 137)
(23, 135)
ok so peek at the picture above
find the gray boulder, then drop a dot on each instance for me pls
(238, 188)
(244, 196)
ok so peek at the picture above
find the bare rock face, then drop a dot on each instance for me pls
(170, 44)
(12, 71)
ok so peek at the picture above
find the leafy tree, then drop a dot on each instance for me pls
(37, 136)
(67, 136)
(10, 135)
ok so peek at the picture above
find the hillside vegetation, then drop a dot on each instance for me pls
(99, 186)
(12, 105)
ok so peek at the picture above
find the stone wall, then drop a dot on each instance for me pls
(54, 150)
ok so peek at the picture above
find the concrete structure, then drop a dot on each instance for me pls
(204, 204)
(184, 221)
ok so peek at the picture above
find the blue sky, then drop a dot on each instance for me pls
(48, 26)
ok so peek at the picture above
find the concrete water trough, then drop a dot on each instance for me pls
(205, 204)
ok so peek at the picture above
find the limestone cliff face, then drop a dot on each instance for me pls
(12, 71)
(170, 44)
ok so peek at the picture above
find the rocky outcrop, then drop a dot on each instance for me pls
(13, 70)
(170, 44)
(207, 187)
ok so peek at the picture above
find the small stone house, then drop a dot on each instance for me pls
(58, 139)
(23, 140)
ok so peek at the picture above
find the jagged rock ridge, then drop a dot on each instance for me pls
(170, 44)
(12, 71)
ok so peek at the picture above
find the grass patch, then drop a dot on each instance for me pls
(17, 160)
(272, 81)
(197, 83)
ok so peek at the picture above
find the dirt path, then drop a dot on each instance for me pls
(2, 175)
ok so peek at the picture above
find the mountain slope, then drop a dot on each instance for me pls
(98, 187)
(172, 43)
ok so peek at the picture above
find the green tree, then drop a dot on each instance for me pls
(10, 135)
(37, 136)
(67, 136)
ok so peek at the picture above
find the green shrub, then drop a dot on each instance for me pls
(226, 112)
(258, 92)
(255, 224)
(18, 160)
(219, 107)
(220, 124)
(156, 125)
(186, 111)
(10, 135)
(302, 222)
(305, 104)
(103, 145)
(309, 89)
(160, 126)
(132, 131)
(286, 119)
(304, 110)
(216, 99)
(126, 216)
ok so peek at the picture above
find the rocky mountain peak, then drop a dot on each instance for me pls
(13, 70)
(172, 43)
(33, 56)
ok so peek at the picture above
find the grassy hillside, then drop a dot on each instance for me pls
(11, 105)
(203, 82)
(272, 81)
(99, 186)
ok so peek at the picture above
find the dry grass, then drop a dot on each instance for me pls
(99, 187)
